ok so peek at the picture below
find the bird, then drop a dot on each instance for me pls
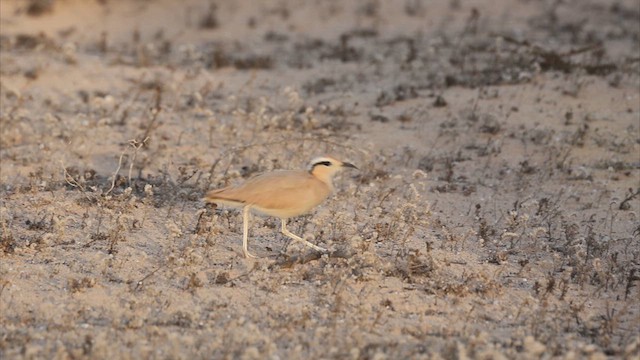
(281, 193)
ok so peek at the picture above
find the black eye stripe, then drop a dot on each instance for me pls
(325, 163)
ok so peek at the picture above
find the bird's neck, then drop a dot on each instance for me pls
(324, 176)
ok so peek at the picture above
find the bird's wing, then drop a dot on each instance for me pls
(275, 190)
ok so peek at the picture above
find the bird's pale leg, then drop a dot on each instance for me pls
(245, 232)
(298, 238)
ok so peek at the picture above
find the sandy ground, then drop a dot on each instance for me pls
(495, 213)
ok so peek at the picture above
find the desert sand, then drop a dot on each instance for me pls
(495, 213)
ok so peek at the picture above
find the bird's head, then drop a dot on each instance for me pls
(325, 167)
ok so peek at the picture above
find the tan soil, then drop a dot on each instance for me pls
(495, 213)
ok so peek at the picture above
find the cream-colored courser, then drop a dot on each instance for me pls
(282, 193)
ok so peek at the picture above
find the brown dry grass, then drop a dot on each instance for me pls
(495, 213)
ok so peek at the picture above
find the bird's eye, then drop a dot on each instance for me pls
(325, 163)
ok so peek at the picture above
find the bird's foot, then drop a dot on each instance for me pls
(249, 255)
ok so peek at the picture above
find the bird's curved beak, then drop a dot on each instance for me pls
(346, 164)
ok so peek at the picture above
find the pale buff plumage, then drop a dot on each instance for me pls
(283, 194)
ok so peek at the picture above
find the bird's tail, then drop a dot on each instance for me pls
(218, 197)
